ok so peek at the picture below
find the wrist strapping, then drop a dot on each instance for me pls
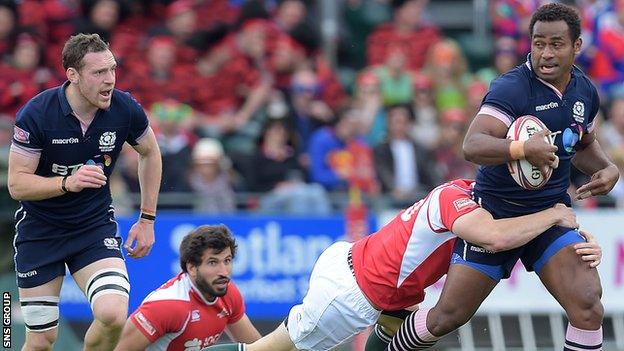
(516, 150)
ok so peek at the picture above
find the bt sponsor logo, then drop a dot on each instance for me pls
(65, 170)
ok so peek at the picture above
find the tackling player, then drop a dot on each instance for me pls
(65, 144)
(192, 310)
(351, 283)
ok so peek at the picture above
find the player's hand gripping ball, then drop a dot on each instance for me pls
(524, 173)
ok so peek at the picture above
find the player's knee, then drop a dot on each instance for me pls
(40, 341)
(587, 316)
(587, 311)
(447, 320)
(112, 316)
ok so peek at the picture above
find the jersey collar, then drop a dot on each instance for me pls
(552, 87)
(65, 107)
(196, 291)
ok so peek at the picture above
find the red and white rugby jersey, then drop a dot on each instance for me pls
(394, 265)
(177, 317)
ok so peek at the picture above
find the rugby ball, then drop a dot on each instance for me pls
(524, 173)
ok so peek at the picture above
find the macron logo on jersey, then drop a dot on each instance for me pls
(21, 135)
(66, 141)
(548, 106)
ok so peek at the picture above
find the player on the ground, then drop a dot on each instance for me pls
(191, 310)
(548, 86)
(352, 283)
(65, 144)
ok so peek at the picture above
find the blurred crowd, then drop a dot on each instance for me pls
(244, 101)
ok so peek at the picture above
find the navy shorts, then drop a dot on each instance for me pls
(42, 250)
(534, 255)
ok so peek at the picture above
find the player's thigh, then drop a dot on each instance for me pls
(334, 309)
(98, 268)
(105, 284)
(571, 281)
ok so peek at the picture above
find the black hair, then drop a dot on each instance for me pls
(411, 115)
(558, 12)
(216, 237)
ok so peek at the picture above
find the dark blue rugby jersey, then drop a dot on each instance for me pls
(520, 92)
(47, 126)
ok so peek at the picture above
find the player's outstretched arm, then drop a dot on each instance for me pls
(243, 331)
(132, 339)
(479, 227)
(590, 251)
(150, 172)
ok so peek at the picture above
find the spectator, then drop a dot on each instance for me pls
(407, 30)
(475, 92)
(447, 64)
(175, 143)
(339, 159)
(426, 128)
(242, 85)
(310, 112)
(510, 18)
(160, 76)
(448, 154)
(181, 24)
(23, 75)
(505, 58)
(8, 25)
(277, 173)
(369, 101)
(289, 14)
(395, 80)
(100, 17)
(108, 19)
(607, 66)
(405, 169)
(361, 17)
(209, 178)
(288, 57)
(217, 13)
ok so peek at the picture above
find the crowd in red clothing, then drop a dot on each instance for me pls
(215, 76)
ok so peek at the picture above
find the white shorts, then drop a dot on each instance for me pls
(334, 309)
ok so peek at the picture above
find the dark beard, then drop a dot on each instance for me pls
(207, 290)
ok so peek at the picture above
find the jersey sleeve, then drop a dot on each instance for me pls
(157, 318)
(506, 98)
(138, 122)
(595, 101)
(235, 300)
(454, 203)
(27, 133)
